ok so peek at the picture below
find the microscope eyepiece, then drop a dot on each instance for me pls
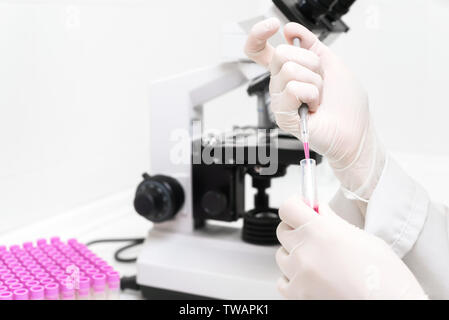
(340, 8)
(313, 9)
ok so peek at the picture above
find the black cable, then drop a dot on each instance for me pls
(134, 242)
(131, 245)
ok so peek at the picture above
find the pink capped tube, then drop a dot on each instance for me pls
(26, 278)
(67, 289)
(32, 283)
(18, 269)
(41, 275)
(52, 291)
(11, 281)
(15, 286)
(83, 292)
(37, 293)
(6, 295)
(41, 242)
(13, 265)
(2, 249)
(21, 294)
(106, 269)
(27, 246)
(6, 276)
(4, 269)
(113, 278)
(98, 286)
(14, 248)
(46, 280)
(55, 240)
(4, 288)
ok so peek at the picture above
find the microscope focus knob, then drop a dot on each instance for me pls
(158, 198)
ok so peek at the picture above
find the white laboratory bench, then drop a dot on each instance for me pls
(114, 217)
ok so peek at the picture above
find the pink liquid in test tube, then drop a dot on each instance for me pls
(306, 150)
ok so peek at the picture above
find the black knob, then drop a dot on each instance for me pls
(214, 203)
(158, 198)
(313, 9)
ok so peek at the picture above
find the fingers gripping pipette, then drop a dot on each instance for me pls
(303, 111)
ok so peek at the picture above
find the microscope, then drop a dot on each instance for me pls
(203, 243)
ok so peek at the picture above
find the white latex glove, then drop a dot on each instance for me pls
(324, 257)
(339, 120)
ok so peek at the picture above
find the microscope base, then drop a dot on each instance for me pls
(211, 263)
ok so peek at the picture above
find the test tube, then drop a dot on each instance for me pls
(98, 286)
(52, 291)
(308, 183)
(83, 292)
(113, 285)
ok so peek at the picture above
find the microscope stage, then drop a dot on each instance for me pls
(211, 263)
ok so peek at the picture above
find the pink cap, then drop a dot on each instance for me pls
(27, 245)
(11, 281)
(21, 274)
(4, 288)
(106, 268)
(21, 294)
(15, 286)
(18, 269)
(72, 241)
(6, 295)
(6, 276)
(37, 293)
(32, 283)
(41, 242)
(4, 269)
(14, 265)
(84, 282)
(37, 270)
(10, 260)
(41, 275)
(67, 288)
(46, 280)
(3, 248)
(14, 248)
(53, 268)
(98, 281)
(55, 240)
(56, 273)
(52, 291)
(26, 278)
(113, 279)
(62, 277)
(6, 255)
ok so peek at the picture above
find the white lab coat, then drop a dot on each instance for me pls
(401, 213)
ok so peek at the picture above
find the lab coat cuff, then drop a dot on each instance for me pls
(397, 209)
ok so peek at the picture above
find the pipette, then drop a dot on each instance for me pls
(308, 166)
(303, 111)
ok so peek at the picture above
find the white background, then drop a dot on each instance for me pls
(74, 79)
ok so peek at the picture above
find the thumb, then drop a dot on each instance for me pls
(307, 39)
(257, 47)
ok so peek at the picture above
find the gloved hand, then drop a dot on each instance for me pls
(339, 120)
(324, 257)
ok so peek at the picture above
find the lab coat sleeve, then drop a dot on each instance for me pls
(402, 214)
